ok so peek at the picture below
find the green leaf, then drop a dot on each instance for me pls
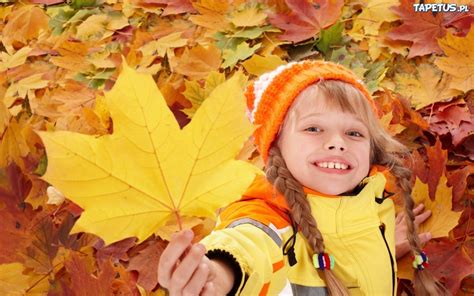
(243, 51)
(329, 37)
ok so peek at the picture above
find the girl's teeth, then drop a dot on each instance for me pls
(332, 165)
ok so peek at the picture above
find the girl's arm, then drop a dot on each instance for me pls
(185, 270)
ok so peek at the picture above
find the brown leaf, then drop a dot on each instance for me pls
(422, 29)
(116, 251)
(16, 216)
(146, 262)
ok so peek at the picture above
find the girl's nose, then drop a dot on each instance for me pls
(335, 143)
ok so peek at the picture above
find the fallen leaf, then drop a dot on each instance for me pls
(196, 94)
(24, 24)
(199, 61)
(8, 61)
(248, 17)
(459, 60)
(307, 19)
(455, 119)
(257, 64)
(12, 279)
(148, 191)
(373, 14)
(423, 29)
(83, 282)
(426, 87)
(242, 52)
(146, 262)
(442, 219)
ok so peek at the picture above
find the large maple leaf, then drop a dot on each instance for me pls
(131, 182)
(307, 18)
(422, 29)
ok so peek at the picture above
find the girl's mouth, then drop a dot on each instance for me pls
(333, 167)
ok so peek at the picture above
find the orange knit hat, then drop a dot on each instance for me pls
(271, 95)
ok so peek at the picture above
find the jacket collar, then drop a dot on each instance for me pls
(261, 188)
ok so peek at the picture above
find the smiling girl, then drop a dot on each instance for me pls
(321, 217)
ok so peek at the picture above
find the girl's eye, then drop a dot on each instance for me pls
(354, 134)
(313, 129)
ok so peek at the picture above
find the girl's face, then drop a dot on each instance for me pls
(324, 148)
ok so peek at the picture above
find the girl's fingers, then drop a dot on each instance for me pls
(179, 243)
(198, 280)
(400, 217)
(420, 218)
(183, 273)
(209, 289)
(418, 209)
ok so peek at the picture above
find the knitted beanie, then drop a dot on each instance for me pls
(271, 95)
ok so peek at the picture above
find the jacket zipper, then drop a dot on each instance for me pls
(382, 231)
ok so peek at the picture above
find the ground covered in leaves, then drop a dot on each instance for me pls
(59, 60)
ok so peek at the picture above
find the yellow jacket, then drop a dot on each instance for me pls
(358, 231)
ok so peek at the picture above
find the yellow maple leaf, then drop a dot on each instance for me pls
(257, 65)
(131, 182)
(248, 18)
(442, 219)
(372, 16)
(160, 46)
(459, 60)
(12, 279)
(426, 87)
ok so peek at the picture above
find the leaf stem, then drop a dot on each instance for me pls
(178, 219)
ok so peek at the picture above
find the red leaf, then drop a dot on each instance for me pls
(458, 180)
(422, 28)
(461, 21)
(437, 158)
(307, 19)
(85, 283)
(117, 251)
(448, 263)
(465, 228)
(454, 118)
(146, 263)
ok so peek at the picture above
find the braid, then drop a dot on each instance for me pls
(424, 282)
(278, 174)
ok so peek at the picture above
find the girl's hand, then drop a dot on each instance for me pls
(401, 243)
(185, 270)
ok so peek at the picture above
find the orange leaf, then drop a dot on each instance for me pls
(199, 61)
(25, 24)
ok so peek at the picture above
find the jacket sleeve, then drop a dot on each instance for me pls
(247, 233)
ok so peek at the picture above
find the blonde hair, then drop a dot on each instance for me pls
(385, 151)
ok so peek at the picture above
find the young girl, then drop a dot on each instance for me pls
(320, 217)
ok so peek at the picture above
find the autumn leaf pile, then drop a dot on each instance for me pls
(106, 86)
